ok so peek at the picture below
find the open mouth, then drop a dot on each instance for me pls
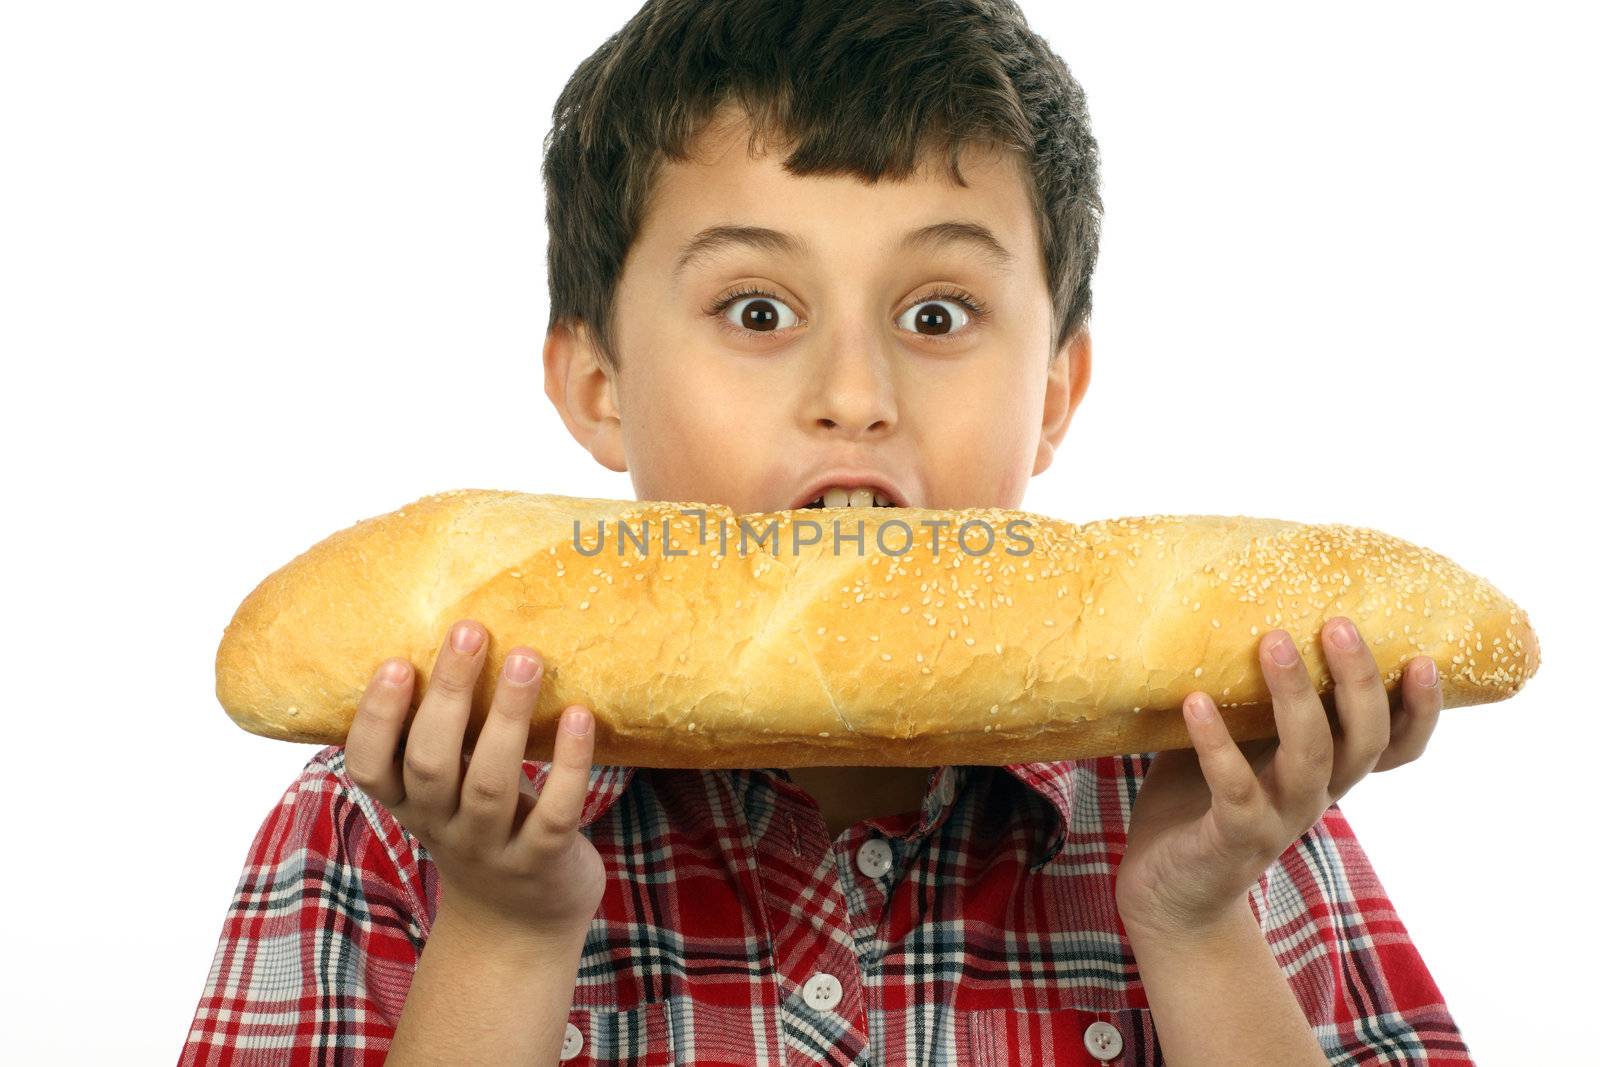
(864, 497)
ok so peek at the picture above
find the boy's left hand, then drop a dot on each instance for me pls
(1209, 820)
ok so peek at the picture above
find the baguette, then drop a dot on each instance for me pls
(903, 647)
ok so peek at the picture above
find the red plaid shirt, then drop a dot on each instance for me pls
(981, 930)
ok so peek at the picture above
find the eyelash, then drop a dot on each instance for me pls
(978, 309)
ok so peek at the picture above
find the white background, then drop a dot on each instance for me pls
(269, 269)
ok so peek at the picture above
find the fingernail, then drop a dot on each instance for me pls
(466, 638)
(394, 672)
(577, 722)
(521, 669)
(1199, 708)
(1342, 634)
(1282, 651)
(1428, 674)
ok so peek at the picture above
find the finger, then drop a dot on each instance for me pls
(490, 789)
(1237, 800)
(1420, 704)
(1362, 701)
(432, 761)
(372, 746)
(1303, 764)
(560, 805)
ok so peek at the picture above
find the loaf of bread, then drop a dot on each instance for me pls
(837, 636)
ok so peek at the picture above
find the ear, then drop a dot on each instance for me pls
(1066, 379)
(583, 388)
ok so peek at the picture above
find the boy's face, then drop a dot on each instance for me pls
(844, 359)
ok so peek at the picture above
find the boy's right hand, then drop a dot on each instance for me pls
(503, 859)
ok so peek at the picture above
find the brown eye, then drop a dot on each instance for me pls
(933, 318)
(758, 313)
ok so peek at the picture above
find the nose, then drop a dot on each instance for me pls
(852, 394)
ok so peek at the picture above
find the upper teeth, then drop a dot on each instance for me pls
(864, 497)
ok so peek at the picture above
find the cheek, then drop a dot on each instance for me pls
(980, 448)
(699, 447)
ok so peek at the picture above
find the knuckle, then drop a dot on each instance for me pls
(361, 770)
(1238, 794)
(422, 770)
(374, 708)
(553, 823)
(1290, 693)
(510, 703)
(1372, 751)
(1364, 675)
(1315, 757)
(451, 683)
(484, 793)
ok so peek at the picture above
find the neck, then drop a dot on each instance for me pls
(847, 795)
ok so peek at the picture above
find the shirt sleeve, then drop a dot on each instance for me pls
(322, 937)
(1347, 956)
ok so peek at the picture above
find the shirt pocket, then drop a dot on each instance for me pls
(1010, 1037)
(635, 1037)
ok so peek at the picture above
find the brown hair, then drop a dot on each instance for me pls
(858, 87)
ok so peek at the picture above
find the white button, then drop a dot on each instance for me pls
(571, 1042)
(1102, 1040)
(947, 786)
(874, 858)
(822, 991)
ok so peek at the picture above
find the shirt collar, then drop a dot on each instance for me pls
(1051, 781)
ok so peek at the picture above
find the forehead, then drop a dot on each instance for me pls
(725, 182)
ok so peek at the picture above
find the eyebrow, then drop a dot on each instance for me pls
(716, 238)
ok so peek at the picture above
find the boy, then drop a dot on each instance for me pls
(767, 287)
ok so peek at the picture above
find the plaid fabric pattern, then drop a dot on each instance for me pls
(734, 931)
